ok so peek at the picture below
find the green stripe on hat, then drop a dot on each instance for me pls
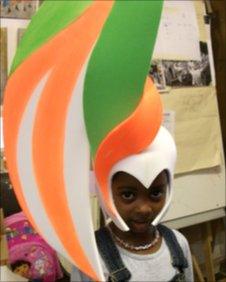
(51, 18)
(118, 66)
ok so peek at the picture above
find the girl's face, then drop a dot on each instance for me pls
(137, 205)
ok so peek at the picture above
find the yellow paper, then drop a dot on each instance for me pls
(3, 61)
(197, 129)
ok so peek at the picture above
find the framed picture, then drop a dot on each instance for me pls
(18, 9)
(3, 57)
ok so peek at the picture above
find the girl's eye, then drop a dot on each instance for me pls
(157, 194)
(128, 195)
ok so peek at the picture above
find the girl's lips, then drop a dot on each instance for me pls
(142, 221)
(140, 225)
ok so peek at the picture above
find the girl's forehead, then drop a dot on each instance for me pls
(126, 178)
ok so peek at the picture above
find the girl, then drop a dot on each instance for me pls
(84, 99)
(141, 190)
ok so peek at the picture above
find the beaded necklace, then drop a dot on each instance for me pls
(132, 247)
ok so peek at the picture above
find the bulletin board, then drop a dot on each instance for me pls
(183, 71)
(187, 83)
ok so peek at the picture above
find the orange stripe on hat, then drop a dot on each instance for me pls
(18, 90)
(51, 54)
(49, 129)
(17, 94)
(130, 137)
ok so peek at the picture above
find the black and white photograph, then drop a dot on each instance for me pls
(188, 73)
(18, 9)
(157, 74)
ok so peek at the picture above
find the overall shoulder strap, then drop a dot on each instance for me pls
(175, 249)
(111, 256)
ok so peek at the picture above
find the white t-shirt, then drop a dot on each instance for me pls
(152, 267)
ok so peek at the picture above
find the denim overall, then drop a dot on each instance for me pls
(117, 270)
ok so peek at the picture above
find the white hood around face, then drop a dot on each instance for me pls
(158, 156)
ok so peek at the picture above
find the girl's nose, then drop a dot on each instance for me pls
(144, 208)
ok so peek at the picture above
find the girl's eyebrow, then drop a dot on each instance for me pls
(124, 186)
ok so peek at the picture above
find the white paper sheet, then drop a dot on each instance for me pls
(178, 36)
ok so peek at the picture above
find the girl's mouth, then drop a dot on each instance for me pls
(140, 226)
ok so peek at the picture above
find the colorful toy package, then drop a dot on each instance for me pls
(29, 255)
